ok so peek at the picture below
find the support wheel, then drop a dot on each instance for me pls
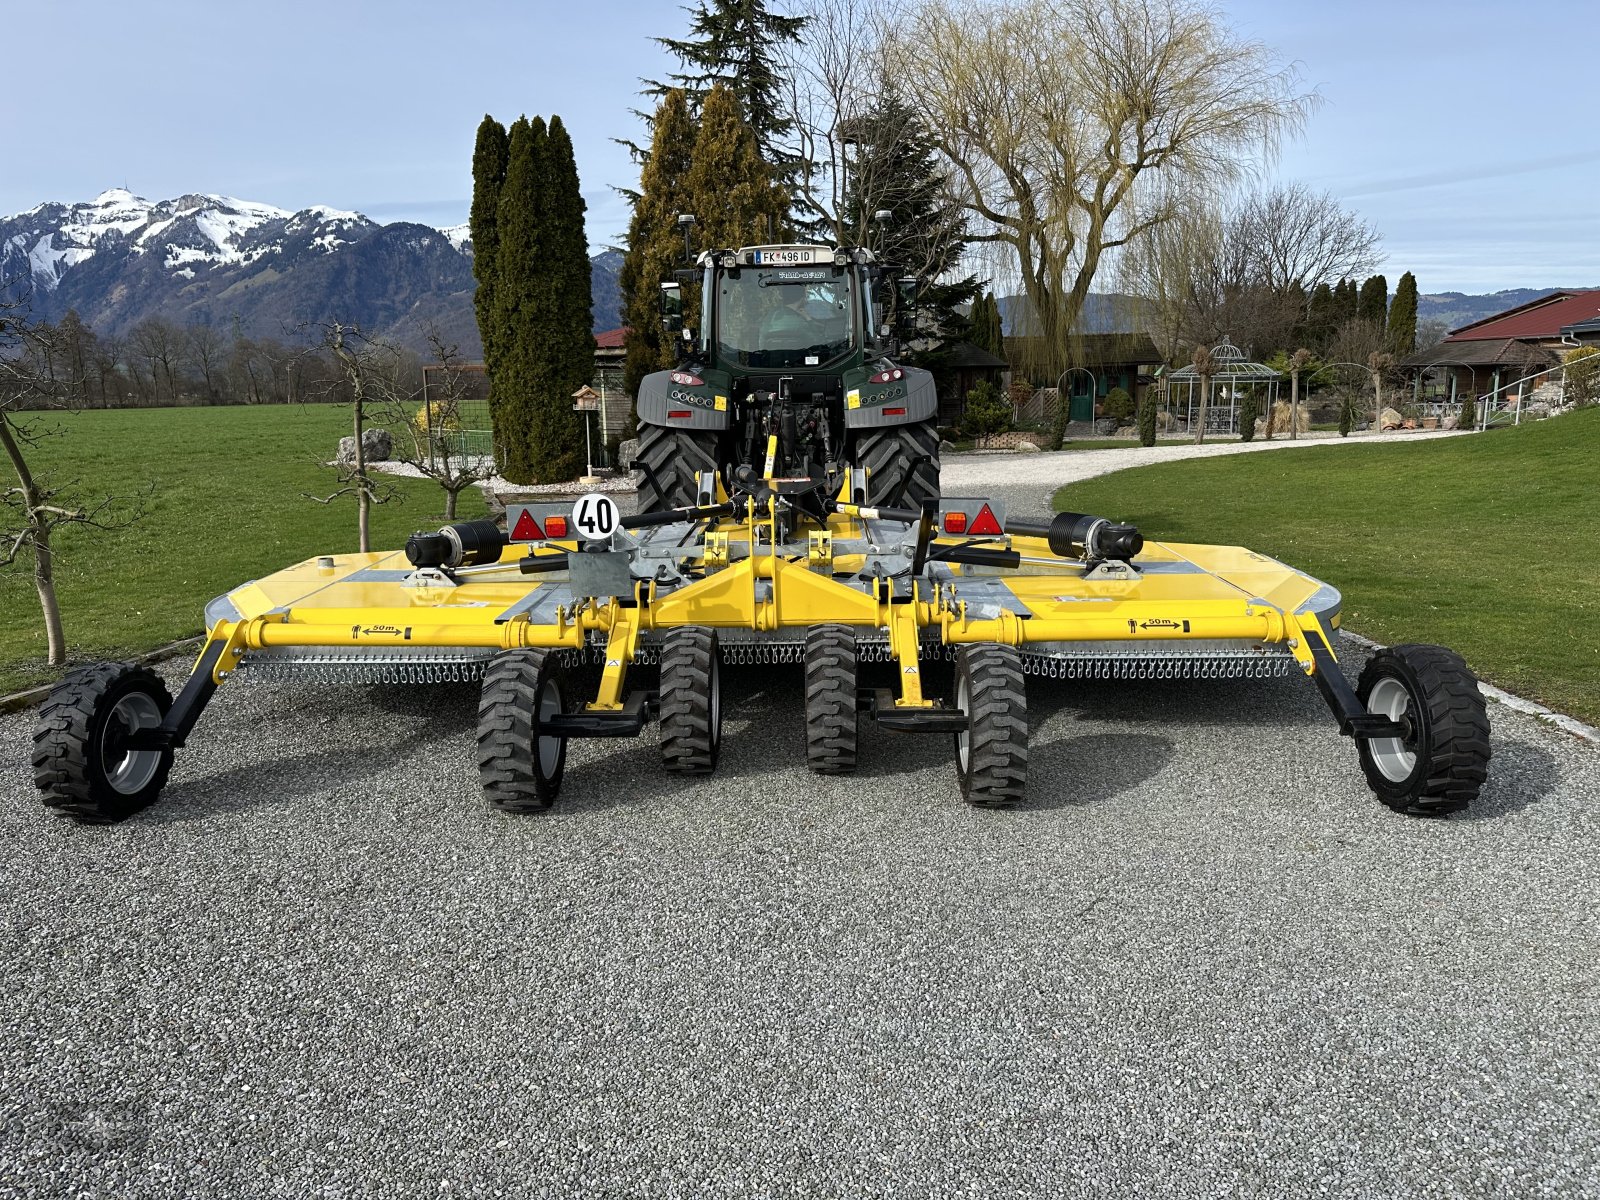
(831, 699)
(81, 763)
(1440, 763)
(691, 701)
(992, 755)
(903, 461)
(671, 461)
(520, 767)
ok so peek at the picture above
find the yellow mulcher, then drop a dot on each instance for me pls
(762, 569)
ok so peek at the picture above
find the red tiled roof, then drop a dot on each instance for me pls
(611, 339)
(1536, 319)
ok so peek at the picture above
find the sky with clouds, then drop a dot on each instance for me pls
(1463, 131)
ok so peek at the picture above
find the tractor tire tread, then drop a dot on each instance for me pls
(507, 732)
(688, 742)
(902, 463)
(61, 737)
(831, 721)
(1458, 721)
(997, 712)
(676, 458)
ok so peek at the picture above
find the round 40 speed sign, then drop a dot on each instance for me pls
(595, 517)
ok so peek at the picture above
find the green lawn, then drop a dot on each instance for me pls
(226, 507)
(1488, 544)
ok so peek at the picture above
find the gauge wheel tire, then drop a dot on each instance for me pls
(672, 461)
(831, 723)
(1440, 764)
(520, 767)
(902, 463)
(992, 753)
(80, 765)
(691, 701)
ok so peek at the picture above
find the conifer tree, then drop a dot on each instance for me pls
(565, 317)
(897, 169)
(655, 243)
(734, 44)
(1373, 302)
(729, 188)
(488, 177)
(517, 327)
(1403, 316)
(1320, 319)
(1345, 304)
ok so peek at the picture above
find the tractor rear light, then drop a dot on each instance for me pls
(889, 376)
(955, 522)
(679, 414)
(687, 380)
(555, 527)
(894, 412)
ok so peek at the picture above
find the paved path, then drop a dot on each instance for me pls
(1029, 480)
(1202, 960)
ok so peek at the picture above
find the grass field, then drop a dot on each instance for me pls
(1488, 544)
(226, 507)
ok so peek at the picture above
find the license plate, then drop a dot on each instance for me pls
(785, 258)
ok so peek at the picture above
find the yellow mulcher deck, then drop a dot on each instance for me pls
(781, 571)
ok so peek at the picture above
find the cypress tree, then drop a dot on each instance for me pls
(655, 243)
(1344, 302)
(1320, 322)
(1373, 303)
(488, 177)
(565, 316)
(1403, 316)
(729, 188)
(516, 327)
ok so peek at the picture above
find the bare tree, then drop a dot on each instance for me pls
(157, 342)
(203, 350)
(367, 373)
(1297, 238)
(1205, 366)
(1077, 127)
(35, 508)
(429, 441)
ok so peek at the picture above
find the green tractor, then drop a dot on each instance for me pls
(790, 374)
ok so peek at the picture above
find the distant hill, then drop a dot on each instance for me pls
(201, 259)
(1456, 309)
(1103, 312)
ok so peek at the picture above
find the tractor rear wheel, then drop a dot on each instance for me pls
(831, 722)
(691, 701)
(519, 766)
(81, 762)
(992, 753)
(672, 461)
(1438, 765)
(902, 463)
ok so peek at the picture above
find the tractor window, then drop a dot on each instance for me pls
(784, 317)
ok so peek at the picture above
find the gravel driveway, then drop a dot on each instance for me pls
(1203, 960)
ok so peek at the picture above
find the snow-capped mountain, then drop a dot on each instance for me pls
(242, 265)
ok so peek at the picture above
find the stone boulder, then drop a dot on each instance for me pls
(1025, 447)
(627, 452)
(1390, 419)
(376, 446)
(1451, 422)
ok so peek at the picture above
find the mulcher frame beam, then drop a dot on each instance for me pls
(766, 591)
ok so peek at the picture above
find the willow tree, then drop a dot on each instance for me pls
(655, 241)
(1078, 126)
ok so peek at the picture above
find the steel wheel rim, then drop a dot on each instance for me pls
(549, 746)
(129, 772)
(1395, 758)
(964, 738)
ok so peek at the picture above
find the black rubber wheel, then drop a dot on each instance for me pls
(80, 764)
(520, 768)
(903, 464)
(831, 699)
(992, 755)
(1440, 764)
(691, 701)
(672, 460)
